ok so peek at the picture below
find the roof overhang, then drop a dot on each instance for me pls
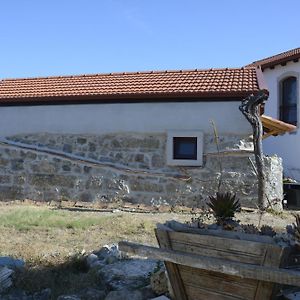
(275, 127)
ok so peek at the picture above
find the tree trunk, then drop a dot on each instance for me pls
(250, 109)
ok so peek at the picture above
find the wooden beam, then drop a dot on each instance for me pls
(172, 269)
(242, 270)
(272, 132)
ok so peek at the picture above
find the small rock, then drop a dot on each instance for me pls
(293, 296)
(161, 298)
(67, 148)
(10, 262)
(147, 292)
(111, 260)
(97, 264)
(92, 294)
(108, 251)
(69, 297)
(91, 259)
(43, 295)
(159, 282)
(129, 274)
(5, 278)
(81, 140)
(124, 295)
(16, 295)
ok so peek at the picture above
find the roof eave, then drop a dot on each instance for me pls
(143, 97)
(279, 61)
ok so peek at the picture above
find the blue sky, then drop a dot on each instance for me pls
(59, 37)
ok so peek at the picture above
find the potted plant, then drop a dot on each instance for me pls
(224, 260)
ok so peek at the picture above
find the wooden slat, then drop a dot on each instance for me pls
(237, 256)
(242, 270)
(236, 288)
(247, 252)
(206, 294)
(271, 258)
(179, 227)
(172, 269)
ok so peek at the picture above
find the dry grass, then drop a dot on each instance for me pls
(41, 234)
(50, 240)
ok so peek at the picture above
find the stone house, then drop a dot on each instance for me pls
(144, 137)
(282, 74)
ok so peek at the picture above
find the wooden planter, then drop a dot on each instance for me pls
(194, 283)
(211, 264)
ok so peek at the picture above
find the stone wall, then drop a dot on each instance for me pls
(127, 167)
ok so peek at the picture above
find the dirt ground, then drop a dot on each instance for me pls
(42, 234)
(53, 240)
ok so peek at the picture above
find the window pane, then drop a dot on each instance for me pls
(289, 91)
(288, 108)
(185, 148)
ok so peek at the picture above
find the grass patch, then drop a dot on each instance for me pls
(43, 235)
(27, 218)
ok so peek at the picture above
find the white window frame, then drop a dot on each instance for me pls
(184, 162)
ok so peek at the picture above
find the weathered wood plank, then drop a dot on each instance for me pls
(196, 293)
(172, 269)
(206, 250)
(242, 270)
(248, 252)
(252, 248)
(271, 258)
(179, 227)
(233, 286)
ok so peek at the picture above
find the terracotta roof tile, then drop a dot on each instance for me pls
(212, 83)
(277, 59)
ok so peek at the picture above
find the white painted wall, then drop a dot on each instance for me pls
(107, 118)
(288, 145)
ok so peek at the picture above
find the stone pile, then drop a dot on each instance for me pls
(121, 278)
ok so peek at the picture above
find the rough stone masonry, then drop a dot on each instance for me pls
(128, 167)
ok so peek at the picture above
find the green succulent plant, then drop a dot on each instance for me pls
(267, 230)
(224, 206)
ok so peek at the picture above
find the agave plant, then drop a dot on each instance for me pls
(224, 206)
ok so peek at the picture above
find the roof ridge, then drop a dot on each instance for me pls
(257, 62)
(122, 73)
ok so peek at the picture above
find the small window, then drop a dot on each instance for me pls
(288, 100)
(185, 148)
